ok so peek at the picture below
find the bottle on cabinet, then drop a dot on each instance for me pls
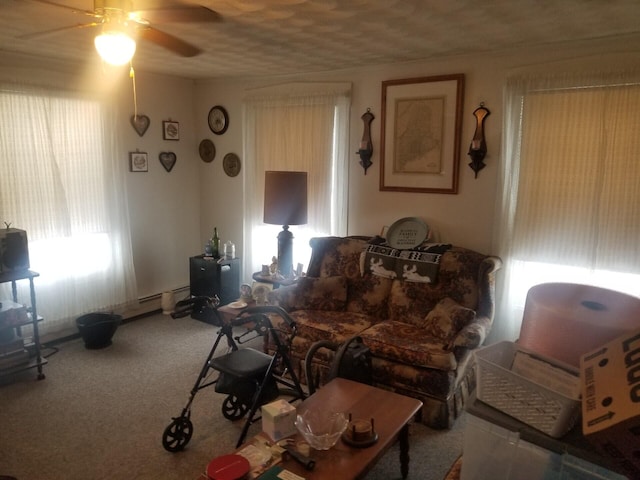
(215, 243)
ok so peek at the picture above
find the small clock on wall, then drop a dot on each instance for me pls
(218, 120)
(207, 150)
(231, 164)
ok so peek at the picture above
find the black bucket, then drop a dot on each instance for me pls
(97, 329)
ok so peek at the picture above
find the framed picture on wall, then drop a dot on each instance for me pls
(420, 134)
(138, 162)
(170, 130)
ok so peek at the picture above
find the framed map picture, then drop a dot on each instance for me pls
(420, 137)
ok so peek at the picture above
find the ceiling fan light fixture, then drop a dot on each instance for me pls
(115, 46)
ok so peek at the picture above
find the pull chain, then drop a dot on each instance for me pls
(132, 75)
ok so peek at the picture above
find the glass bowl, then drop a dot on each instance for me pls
(321, 429)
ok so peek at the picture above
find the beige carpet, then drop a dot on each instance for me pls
(100, 414)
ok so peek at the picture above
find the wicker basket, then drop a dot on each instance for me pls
(532, 403)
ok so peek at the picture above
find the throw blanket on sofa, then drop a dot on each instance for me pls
(417, 265)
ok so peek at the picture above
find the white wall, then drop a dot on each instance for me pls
(173, 214)
(465, 219)
(164, 206)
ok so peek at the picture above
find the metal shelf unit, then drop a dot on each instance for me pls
(35, 357)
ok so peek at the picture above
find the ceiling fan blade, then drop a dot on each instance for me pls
(169, 42)
(67, 7)
(43, 33)
(177, 14)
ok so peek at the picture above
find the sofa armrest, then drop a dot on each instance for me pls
(473, 335)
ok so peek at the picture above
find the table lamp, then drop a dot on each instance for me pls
(285, 203)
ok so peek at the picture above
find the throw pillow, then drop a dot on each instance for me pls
(447, 318)
(321, 293)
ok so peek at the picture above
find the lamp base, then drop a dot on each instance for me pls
(285, 251)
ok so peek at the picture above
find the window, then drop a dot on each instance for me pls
(62, 183)
(570, 204)
(297, 127)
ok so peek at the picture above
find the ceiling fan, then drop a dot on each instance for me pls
(121, 25)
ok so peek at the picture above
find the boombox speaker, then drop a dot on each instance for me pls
(14, 250)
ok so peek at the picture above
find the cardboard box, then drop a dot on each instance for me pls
(611, 401)
(278, 419)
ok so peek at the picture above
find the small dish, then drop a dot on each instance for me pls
(237, 305)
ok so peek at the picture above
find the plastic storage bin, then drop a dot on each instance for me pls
(530, 402)
(493, 452)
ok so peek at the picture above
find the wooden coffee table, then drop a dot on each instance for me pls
(391, 413)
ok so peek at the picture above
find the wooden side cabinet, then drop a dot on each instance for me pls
(209, 277)
(17, 352)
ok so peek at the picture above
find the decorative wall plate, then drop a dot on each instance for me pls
(218, 120)
(207, 150)
(231, 164)
(140, 123)
(168, 160)
(408, 232)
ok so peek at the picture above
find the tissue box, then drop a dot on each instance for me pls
(279, 419)
(611, 401)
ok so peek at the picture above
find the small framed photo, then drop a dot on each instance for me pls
(170, 130)
(138, 162)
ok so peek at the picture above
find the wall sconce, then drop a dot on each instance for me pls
(285, 203)
(366, 147)
(478, 147)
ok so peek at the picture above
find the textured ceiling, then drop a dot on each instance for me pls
(270, 37)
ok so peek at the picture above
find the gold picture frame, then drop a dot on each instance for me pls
(420, 134)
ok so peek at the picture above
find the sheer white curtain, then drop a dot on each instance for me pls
(296, 127)
(63, 182)
(570, 199)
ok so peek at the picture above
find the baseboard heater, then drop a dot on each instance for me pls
(151, 303)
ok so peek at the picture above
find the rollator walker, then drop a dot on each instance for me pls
(247, 376)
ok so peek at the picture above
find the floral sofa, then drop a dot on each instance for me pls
(420, 333)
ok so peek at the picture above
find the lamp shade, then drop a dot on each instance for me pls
(285, 198)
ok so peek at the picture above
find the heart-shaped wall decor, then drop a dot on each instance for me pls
(168, 160)
(140, 123)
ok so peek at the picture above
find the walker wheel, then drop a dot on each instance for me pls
(233, 408)
(177, 434)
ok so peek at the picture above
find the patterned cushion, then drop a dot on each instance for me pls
(408, 344)
(369, 295)
(333, 256)
(447, 319)
(337, 327)
(457, 279)
(327, 293)
(341, 256)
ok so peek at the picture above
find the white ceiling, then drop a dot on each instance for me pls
(269, 37)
